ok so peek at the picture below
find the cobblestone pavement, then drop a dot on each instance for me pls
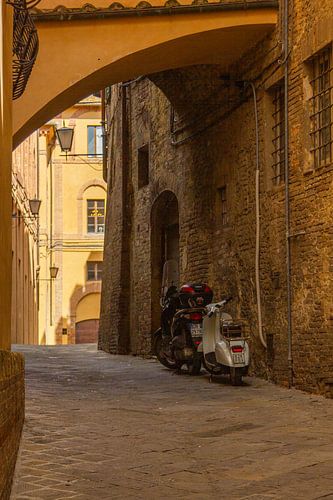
(116, 427)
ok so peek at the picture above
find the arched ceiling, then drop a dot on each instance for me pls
(80, 55)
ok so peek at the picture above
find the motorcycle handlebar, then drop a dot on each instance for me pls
(218, 306)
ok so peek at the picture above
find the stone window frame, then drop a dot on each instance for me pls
(321, 106)
(81, 209)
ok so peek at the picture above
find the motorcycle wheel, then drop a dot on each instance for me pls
(236, 376)
(195, 367)
(213, 370)
(160, 352)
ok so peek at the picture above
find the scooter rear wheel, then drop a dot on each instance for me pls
(236, 376)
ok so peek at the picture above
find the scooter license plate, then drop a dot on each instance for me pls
(238, 359)
(196, 330)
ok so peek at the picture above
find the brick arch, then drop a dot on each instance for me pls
(78, 294)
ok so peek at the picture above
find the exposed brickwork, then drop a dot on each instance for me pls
(11, 416)
(221, 152)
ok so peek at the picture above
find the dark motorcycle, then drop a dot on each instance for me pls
(176, 342)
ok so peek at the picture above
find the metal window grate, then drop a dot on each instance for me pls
(321, 108)
(25, 45)
(224, 205)
(278, 136)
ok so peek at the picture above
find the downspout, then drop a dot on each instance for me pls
(51, 237)
(103, 123)
(287, 194)
(38, 231)
(257, 257)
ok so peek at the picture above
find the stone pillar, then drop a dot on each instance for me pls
(5, 172)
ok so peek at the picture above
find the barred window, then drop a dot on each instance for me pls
(95, 216)
(278, 135)
(143, 166)
(94, 271)
(224, 207)
(321, 108)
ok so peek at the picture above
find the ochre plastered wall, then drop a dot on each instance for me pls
(5, 170)
(11, 364)
(126, 47)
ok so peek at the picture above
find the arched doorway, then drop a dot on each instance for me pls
(164, 246)
(87, 319)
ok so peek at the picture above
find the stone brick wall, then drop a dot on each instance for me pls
(11, 416)
(201, 134)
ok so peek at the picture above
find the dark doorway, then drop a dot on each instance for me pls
(86, 332)
(164, 247)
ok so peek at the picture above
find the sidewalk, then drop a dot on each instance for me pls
(116, 427)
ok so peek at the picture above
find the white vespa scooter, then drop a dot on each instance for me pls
(224, 348)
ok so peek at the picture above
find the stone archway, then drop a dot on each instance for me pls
(126, 45)
(164, 246)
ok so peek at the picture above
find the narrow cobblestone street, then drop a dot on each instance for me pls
(116, 427)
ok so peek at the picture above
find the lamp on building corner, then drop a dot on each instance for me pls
(53, 272)
(34, 206)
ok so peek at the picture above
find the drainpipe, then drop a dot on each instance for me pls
(103, 123)
(38, 232)
(257, 258)
(287, 194)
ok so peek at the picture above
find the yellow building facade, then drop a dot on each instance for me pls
(71, 232)
(25, 242)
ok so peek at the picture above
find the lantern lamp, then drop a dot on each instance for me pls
(34, 206)
(65, 138)
(53, 272)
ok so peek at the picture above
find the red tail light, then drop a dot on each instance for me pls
(207, 289)
(197, 342)
(196, 316)
(237, 348)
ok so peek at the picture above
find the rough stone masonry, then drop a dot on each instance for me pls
(181, 183)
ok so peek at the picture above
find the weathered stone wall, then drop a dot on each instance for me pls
(211, 144)
(11, 416)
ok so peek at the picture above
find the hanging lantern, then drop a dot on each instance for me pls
(34, 206)
(53, 272)
(65, 137)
